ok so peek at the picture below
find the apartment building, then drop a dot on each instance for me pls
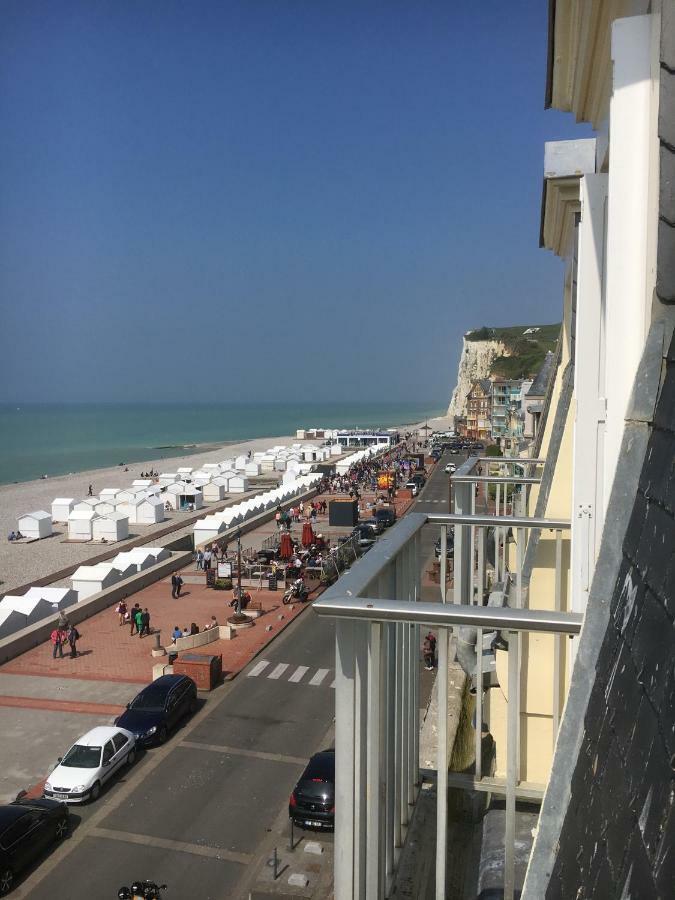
(560, 607)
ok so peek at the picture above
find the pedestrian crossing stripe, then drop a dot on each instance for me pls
(286, 672)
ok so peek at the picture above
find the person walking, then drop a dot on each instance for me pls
(174, 585)
(429, 650)
(144, 618)
(57, 643)
(200, 560)
(207, 559)
(179, 585)
(91, 490)
(73, 638)
(122, 611)
(136, 619)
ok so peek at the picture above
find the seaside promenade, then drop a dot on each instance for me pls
(47, 703)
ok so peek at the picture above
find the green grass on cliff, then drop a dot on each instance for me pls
(526, 351)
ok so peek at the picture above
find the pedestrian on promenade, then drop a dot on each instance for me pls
(177, 583)
(207, 559)
(429, 650)
(73, 638)
(122, 611)
(136, 619)
(57, 643)
(144, 619)
(91, 490)
(200, 560)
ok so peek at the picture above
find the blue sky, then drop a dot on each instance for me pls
(267, 200)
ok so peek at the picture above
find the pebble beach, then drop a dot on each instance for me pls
(21, 563)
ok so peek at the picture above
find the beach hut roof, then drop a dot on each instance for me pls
(92, 573)
(63, 500)
(113, 516)
(153, 500)
(52, 595)
(83, 515)
(38, 514)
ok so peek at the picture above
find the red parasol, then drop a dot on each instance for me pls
(307, 535)
(285, 546)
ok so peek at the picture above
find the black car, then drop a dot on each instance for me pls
(449, 551)
(375, 526)
(27, 829)
(159, 707)
(312, 803)
(386, 515)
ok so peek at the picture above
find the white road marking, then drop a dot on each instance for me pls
(258, 668)
(299, 672)
(319, 677)
(278, 671)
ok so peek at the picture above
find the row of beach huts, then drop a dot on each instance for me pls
(106, 517)
(19, 611)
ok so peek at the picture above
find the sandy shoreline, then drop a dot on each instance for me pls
(21, 563)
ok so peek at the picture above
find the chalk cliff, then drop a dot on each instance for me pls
(474, 363)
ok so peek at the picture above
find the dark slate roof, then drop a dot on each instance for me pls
(540, 383)
(486, 384)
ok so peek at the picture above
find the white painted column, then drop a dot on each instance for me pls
(630, 277)
(589, 390)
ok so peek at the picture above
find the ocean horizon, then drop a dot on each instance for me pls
(62, 438)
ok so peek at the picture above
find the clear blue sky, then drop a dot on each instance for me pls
(267, 200)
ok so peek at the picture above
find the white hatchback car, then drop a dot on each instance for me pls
(450, 469)
(90, 762)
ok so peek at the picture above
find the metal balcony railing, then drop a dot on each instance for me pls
(378, 614)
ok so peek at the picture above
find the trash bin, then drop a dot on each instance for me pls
(204, 669)
(272, 582)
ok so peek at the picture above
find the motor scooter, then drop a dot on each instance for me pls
(297, 591)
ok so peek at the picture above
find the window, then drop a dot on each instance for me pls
(119, 740)
(108, 752)
(16, 831)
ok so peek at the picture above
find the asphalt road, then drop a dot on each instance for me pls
(203, 813)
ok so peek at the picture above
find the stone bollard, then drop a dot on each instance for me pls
(158, 650)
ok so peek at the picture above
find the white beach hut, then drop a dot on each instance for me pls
(104, 508)
(80, 524)
(86, 504)
(111, 528)
(267, 461)
(213, 491)
(11, 621)
(253, 468)
(138, 558)
(58, 598)
(167, 478)
(126, 494)
(62, 508)
(159, 553)
(129, 508)
(109, 494)
(33, 608)
(89, 580)
(185, 472)
(240, 463)
(237, 485)
(213, 468)
(208, 528)
(142, 483)
(150, 510)
(36, 525)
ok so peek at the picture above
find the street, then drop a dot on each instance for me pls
(204, 813)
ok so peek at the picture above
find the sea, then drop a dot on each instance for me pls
(58, 439)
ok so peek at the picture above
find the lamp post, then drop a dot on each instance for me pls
(239, 619)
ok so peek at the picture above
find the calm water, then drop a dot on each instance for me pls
(58, 439)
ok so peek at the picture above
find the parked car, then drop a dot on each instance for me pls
(312, 801)
(450, 469)
(90, 762)
(386, 515)
(27, 829)
(420, 478)
(375, 526)
(413, 487)
(159, 707)
(365, 536)
(450, 549)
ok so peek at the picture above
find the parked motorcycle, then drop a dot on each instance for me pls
(142, 890)
(296, 592)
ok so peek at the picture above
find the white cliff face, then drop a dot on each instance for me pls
(475, 362)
